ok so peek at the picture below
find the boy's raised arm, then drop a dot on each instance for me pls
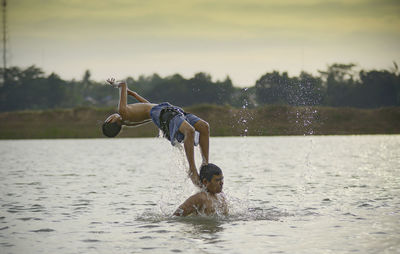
(123, 85)
(123, 100)
(137, 96)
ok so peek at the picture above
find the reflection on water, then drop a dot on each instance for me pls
(285, 194)
(202, 226)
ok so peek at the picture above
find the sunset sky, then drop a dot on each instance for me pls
(242, 39)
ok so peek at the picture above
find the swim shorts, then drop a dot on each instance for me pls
(175, 122)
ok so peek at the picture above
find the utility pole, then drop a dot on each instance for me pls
(4, 5)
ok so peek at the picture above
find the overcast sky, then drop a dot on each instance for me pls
(240, 38)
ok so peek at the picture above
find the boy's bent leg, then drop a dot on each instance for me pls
(188, 132)
(204, 129)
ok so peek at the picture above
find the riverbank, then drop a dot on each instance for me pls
(224, 121)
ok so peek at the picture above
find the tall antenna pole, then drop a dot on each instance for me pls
(4, 5)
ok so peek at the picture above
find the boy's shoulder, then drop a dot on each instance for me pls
(200, 195)
(203, 197)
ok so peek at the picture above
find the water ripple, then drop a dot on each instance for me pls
(67, 192)
(43, 230)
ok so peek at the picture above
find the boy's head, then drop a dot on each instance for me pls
(212, 178)
(112, 125)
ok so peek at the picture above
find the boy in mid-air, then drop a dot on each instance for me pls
(177, 125)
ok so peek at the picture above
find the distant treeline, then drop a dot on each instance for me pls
(338, 86)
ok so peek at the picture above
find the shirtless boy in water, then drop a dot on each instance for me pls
(210, 200)
(177, 125)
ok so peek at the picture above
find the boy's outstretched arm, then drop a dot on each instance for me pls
(188, 142)
(137, 96)
(124, 87)
(123, 100)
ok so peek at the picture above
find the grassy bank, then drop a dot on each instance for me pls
(224, 121)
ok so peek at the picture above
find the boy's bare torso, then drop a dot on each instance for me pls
(211, 203)
(138, 112)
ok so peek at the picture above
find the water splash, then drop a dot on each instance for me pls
(245, 210)
(180, 187)
(306, 119)
(304, 94)
(239, 210)
(244, 116)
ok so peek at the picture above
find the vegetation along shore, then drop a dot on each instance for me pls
(343, 99)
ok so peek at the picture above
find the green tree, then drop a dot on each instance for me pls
(379, 89)
(340, 84)
(272, 88)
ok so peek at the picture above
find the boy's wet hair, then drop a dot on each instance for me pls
(208, 171)
(111, 129)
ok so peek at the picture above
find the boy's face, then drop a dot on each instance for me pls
(114, 118)
(216, 184)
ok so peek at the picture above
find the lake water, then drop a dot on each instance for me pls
(313, 194)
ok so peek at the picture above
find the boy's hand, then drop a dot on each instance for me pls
(114, 83)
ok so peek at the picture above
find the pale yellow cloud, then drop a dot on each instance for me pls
(197, 19)
(204, 35)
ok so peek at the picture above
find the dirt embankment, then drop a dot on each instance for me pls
(224, 121)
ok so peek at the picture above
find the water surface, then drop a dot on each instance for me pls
(334, 194)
